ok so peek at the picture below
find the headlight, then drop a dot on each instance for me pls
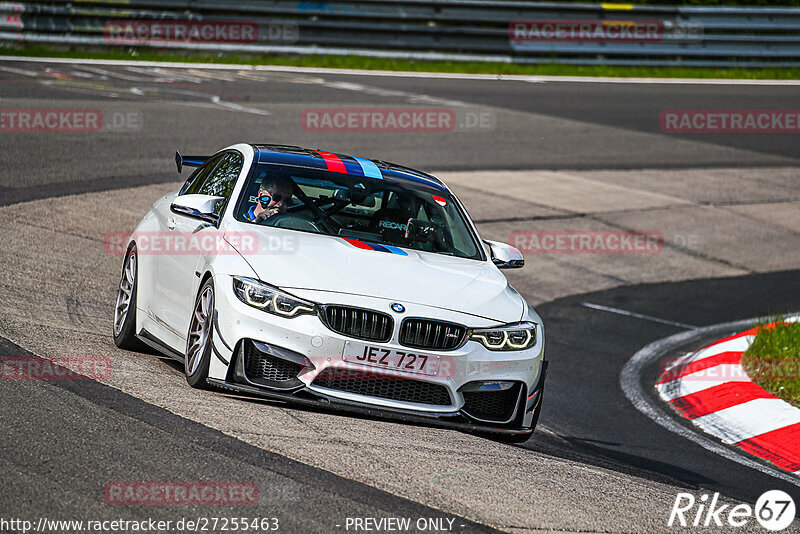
(272, 300)
(518, 336)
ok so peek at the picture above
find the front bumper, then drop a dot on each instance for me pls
(316, 350)
(303, 396)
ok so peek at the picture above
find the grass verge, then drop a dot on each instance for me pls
(773, 360)
(355, 62)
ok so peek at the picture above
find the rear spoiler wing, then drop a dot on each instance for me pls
(189, 161)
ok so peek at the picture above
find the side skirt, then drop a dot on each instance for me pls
(154, 343)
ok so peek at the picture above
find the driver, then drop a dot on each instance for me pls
(273, 196)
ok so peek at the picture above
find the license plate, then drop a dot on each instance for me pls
(409, 361)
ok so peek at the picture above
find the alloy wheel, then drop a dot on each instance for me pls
(125, 293)
(199, 330)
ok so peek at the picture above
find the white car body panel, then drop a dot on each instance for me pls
(327, 263)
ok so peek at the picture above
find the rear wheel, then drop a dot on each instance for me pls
(125, 309)
(198, 342)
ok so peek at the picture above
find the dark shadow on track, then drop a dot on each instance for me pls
(592, 452)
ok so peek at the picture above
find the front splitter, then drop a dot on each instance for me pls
(323, 402)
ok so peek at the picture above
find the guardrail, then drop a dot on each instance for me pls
(457, 30)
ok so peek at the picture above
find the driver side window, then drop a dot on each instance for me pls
(219, 179)
(198, 177)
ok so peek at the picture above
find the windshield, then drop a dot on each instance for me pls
(390, 212)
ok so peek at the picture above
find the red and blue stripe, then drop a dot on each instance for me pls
(366, 245)
(340, 163)
(350, 165)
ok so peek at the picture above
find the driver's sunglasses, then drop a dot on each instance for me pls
(277, 197)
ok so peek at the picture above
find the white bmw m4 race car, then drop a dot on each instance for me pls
(334, 281)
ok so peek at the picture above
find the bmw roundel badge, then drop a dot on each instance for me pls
(397, 307)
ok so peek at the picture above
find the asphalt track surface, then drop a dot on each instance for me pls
(558, 155)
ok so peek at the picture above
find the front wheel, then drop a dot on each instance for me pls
(198, 342)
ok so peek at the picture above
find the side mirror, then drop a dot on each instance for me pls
(505, 256)
(197, 206)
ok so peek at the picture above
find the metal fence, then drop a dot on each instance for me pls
(454, 30)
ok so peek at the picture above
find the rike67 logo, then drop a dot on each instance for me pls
(774, 510)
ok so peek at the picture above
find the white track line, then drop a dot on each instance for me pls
(638, 315)
(630, 383)
(403, 74)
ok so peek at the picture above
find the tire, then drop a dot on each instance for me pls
(124, 328)
(197, 356)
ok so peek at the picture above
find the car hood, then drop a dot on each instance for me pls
(296, 260)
